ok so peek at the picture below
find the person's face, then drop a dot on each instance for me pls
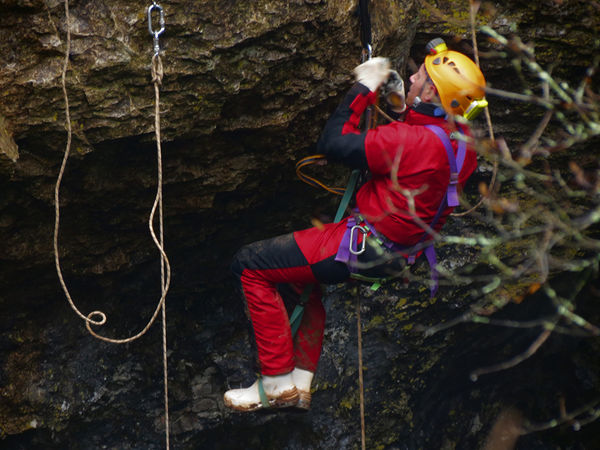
(419, 86)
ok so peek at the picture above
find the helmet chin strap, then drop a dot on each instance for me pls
(429, 109)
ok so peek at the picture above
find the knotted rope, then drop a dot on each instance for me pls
(98, 317)
(157, 73)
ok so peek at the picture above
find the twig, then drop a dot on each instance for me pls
(591, 408)
(544, 335)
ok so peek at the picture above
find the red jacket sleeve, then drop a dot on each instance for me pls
(341, 139)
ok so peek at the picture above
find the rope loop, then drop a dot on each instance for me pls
(101, 321)
(98, 318)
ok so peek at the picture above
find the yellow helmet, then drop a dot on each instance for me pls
(458, 80)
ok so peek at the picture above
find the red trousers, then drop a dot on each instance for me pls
(298, 259)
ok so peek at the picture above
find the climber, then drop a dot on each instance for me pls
(409, 163)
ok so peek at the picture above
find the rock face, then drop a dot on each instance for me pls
(246, 89)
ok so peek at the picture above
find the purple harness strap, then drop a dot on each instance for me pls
(451, 197)
(343, 254)
(347, 244)
(455, 162)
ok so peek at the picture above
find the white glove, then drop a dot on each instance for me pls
(373, 72)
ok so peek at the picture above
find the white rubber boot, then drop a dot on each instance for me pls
(279, 389)
(303, 379)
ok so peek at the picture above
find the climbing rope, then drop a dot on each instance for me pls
(361, 385)
(367, 53)
(366, 40)
(346, 193)
(89, 319)
(316, 159)
(157, 76)
(99, 317)
(472, 12)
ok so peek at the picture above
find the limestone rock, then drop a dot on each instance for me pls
(247, 88)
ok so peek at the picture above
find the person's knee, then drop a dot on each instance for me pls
(317, 311)
(242, 260)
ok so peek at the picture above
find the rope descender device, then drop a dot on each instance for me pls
(161, 22)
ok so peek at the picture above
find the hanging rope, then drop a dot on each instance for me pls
(472, 12)
(296, 317)
(361, 386)
(89, 319)
(157, 76)
(366, 39)
(99, 317)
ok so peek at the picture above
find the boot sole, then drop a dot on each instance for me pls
(285, 400)
(303, 400)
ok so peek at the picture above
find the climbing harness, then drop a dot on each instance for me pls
(358, 226)
(99, 317)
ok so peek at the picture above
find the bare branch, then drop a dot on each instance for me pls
(544, 335)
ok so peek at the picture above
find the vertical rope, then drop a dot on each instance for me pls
(102, 317)
(165, 268)
(361, 389)
(157, 74)
(61, 172)
(366, 39)
(472, 12)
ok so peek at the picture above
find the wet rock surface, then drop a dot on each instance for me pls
(247, 88)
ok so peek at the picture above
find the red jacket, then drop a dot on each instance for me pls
(403, 158)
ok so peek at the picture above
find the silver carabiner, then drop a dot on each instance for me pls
(161, 22)
(367, 53)
(364, 241)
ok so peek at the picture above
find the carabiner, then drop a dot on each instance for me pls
(364, 241)
(367, 53)
(161, 22)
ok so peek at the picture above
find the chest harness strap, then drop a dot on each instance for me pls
(349, 250)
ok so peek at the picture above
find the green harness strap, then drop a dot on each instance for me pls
(347, 195)
(376, 282)
(296, 317)
(264, 400)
